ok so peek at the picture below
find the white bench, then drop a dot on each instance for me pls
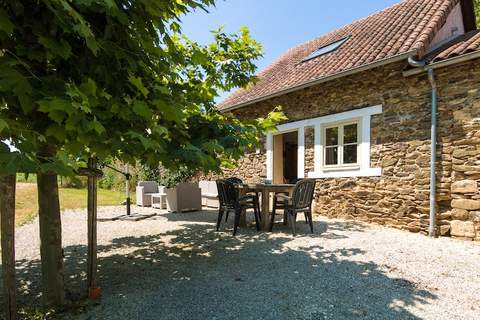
(209, 193)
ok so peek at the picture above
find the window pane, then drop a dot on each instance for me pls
(350, 154)
(350, 133)
(331, 156)
(331, 136)
(326, 49)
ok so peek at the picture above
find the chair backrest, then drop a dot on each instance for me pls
(212, 188)
(234, 180)
(203, 185)
(227, 193)
(302, 196)
(149, 186)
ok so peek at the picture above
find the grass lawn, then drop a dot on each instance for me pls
(27, 205)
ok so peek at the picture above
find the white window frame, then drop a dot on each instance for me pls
(340, 165)
(361, 169)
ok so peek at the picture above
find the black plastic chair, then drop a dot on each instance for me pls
(234, 180)
(300, 201)
(256, 198)
(279, 203)
(230, 201)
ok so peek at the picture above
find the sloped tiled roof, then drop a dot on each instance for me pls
(467, 43)
(408, 26)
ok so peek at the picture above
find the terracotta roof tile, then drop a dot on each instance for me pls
(466, 43)
(408, 26)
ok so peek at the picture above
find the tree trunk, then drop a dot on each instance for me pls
(50, 239)
(7, 222)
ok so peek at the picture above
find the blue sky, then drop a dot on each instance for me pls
(279, 24)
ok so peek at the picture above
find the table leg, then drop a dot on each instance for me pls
(265, 209)
(243, 219)
(243, 216)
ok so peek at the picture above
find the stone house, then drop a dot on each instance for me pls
(359, 103)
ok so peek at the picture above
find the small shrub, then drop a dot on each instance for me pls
(171, 178)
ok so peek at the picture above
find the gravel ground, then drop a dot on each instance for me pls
(174, 266)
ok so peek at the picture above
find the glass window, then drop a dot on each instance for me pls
(332, 136)
(341, 145)
(331, 156)
(350, 133)
(350, 143)
(325, 49)
(350, 154)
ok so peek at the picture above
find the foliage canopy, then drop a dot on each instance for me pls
(476, 3)
(103, 78)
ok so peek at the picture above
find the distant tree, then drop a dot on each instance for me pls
(476, 3)
(101, 78)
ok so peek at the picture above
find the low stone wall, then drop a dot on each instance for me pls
(400, 145)
(462, 218)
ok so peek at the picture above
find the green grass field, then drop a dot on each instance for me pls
(27, 204)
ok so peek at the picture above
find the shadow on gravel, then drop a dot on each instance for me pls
(321, 228)
(197, 273)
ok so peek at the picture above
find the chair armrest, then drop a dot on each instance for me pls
(140, 191)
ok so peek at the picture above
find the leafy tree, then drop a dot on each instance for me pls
(476, 4)
(100, 78)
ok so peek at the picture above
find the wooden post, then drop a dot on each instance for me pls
(7, 222)
(127, 189)
(93, 291)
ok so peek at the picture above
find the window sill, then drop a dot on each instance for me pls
(350, 167)
(370, 172)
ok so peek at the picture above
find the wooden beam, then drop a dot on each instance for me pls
(468, 13)
(90, 172)
(93, 291)
(7, 222)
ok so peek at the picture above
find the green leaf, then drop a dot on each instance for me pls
(149, 143)
(137, 82)
(141, 108)
(160, 130)
(57, 116)
(5, 24)
(170, 112)
(199, 57)
(92, 44)
(13, 162)
(88, 87)
(54, 104)
(59, 48)
(110, 4)
(26, 103)
(97, 126)
(56, 131)
(3, 125)
(57, 167)
(13, 81)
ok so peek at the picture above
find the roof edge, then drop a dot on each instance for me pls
(311, 83)
(444, 63)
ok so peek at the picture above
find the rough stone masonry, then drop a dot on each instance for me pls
(400, 145)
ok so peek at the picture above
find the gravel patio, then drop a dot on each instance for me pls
(174, 266)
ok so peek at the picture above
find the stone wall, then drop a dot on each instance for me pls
(459, 120)
(400, 145)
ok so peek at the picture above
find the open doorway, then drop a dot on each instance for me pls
(285, 155)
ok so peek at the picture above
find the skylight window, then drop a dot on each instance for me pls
(326, 49)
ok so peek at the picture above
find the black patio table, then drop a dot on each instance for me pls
(265, 189)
